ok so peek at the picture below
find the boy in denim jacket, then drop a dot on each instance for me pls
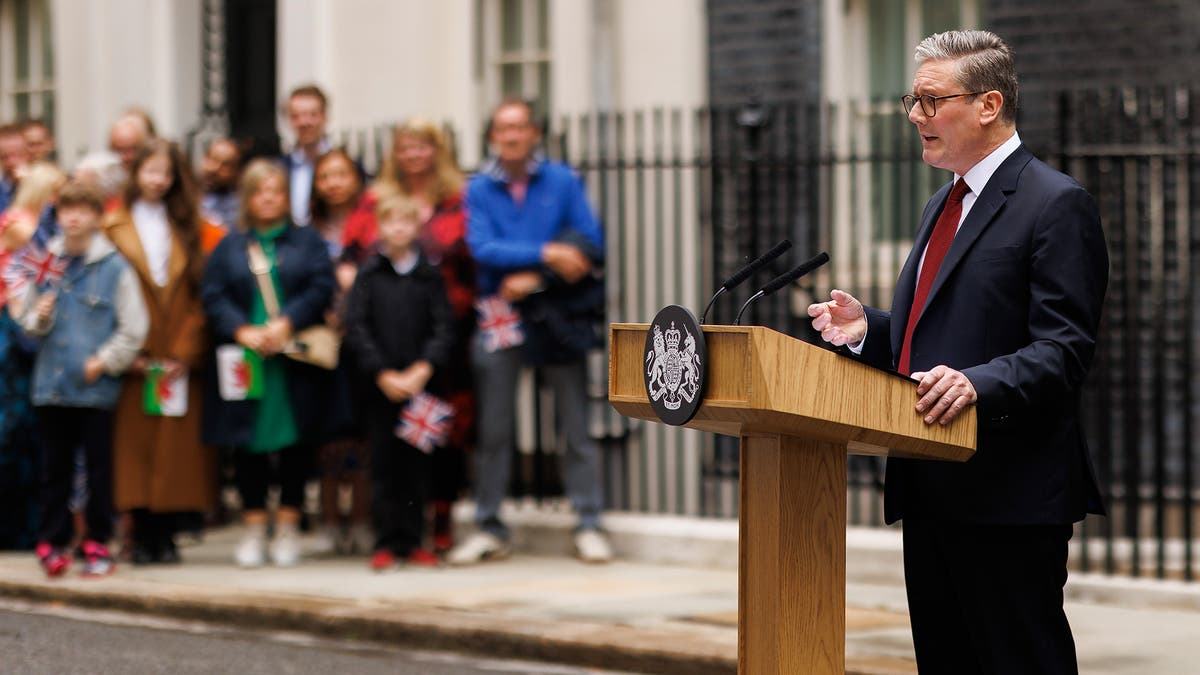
(92, 323)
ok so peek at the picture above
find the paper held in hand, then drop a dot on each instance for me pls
(163, 396)
(239, 373)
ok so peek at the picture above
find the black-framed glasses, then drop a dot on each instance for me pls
(929, 103)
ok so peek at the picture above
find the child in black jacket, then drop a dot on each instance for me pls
(400, 326)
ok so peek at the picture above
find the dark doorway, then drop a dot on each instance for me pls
(250, 73)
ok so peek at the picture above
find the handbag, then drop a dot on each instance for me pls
(316, 345)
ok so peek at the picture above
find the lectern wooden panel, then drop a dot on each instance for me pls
(799, 411)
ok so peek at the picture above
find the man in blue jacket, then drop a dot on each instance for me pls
(522, 212)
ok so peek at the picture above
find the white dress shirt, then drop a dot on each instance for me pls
(155, 232)
(977, 178)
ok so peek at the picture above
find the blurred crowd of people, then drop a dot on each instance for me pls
(286, 321)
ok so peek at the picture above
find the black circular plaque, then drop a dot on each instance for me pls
(675, 359)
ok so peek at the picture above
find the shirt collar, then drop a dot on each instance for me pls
(300, 157)
(272, 234)
(406, 264)
(496, 171)
(977, 177)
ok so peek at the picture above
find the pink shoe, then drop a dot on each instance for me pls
(53, 560)
(97, 562)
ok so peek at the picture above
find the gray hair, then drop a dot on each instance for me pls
(101, 169)
(985, 63)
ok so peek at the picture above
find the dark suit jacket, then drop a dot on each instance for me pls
(1016, 307)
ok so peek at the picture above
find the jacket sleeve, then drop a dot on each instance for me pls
(877, 345)
(306, 306)
(133, 323)
(487, 244)
(225, 315)
(437, 349)
(1068, 277)
(582, 220)
(361, 341)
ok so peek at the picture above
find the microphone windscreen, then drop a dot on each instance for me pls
(794, 274)
(754, 265)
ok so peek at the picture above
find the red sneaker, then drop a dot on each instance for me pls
(53, 560)
(443, 542)
(97, 561)
(383, 560)
(423, 558)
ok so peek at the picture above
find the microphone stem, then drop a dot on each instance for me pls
(710, 304)
(738, 320)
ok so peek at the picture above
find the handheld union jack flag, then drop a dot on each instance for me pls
(425, 422)
(499, 323)
(34, 265)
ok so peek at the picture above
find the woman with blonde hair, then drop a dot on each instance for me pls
(19, 446)
(278, 424)
(421, 167)
(35, 194)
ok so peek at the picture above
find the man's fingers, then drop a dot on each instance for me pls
(842, 297)
(816, 309)
(953, 410)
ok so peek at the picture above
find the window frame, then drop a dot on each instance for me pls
(38, 86)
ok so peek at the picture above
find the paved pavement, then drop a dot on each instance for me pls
(629, 616)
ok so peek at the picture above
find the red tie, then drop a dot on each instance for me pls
(935, 252)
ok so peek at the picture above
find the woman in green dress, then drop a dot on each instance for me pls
(274, 421)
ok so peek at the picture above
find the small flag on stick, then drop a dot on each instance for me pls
(425, 422)
(239, 373)
(499, 323)
(165, 396)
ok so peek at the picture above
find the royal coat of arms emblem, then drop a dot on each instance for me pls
(675, 365)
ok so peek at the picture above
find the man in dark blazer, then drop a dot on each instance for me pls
(997, 306)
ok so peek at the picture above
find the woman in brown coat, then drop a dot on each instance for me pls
(161, 468)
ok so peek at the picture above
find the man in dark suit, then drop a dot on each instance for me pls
(998, 307)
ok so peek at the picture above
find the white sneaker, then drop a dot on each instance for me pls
(327, 541)
(251, 550)
(591, 546)
(360, 539)
(285, 547)
(477, 548)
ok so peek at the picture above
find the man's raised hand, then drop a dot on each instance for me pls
(841, 321)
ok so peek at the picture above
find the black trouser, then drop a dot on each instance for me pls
(400, 476)
(63, 430)
(988, 598)
(254, 476)
(154, 530)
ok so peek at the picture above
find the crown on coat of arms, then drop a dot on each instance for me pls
(673, 337)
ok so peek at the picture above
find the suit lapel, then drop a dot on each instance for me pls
(123, 234)
(1002, 183)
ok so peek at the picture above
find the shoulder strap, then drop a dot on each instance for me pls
(261, 267)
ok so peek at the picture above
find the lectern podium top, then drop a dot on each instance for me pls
(762, 381)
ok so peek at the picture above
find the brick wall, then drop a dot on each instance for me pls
(1098, 43)
(768, 48)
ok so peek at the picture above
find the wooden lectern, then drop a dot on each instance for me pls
(799, 410)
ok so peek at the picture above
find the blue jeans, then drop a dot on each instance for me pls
(496, 382)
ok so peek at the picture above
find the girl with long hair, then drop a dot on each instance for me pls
(161, 468)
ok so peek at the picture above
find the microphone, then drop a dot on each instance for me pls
(745, 271)
(783, 280)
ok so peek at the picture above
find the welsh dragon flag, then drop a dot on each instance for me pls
(163, 396)
(239, 373)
